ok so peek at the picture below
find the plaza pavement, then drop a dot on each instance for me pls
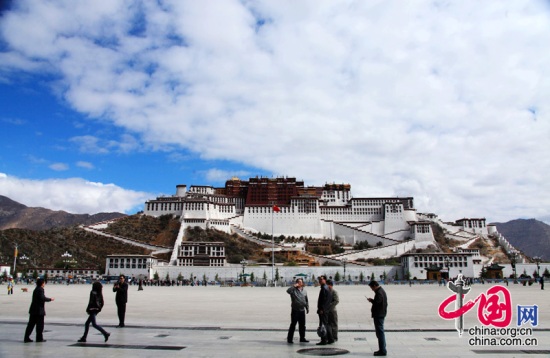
(252, 322)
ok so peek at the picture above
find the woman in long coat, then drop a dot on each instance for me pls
(94, 307)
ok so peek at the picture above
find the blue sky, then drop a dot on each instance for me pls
(105, 104)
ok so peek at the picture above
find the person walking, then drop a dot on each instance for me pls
(10, 286)
(95, 304)
(37, 312)
(379, 310)
(121, 298)
(300, 306)
(323, 307)
(333, 313)
(542, 282)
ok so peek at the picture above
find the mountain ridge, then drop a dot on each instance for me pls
(531, 236)
(14, 215)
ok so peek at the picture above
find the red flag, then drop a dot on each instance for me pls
(276, 208)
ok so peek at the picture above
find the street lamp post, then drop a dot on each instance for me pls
(23, 259)
(513, 260)
(66, 259)
(344, 262)
(243, 264)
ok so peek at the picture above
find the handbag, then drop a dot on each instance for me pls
(321, 331)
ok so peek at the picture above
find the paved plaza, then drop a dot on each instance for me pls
(252, 322)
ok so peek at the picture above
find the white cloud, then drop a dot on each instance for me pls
(14, 121)
(446, 102)
(59, 167)
(89, 144)
(220, 175)
(85, 165)
(74, 195)
(95, 145)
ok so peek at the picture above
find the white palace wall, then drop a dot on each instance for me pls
(286, 222)
(382, 252)
(350, 236)
(160, 210)
(286, 273)
(423, 240)
(394, 219)
(208, 211)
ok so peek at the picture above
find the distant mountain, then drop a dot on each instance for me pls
(545, 219)
(528, 235)
(16, 215)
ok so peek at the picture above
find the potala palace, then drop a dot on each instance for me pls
(285, 206)
(317, 212)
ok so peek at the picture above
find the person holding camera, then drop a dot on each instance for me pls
(121, 289)
(300, 306)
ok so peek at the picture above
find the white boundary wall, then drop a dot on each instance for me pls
(286, 273)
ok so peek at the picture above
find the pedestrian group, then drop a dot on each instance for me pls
(326, 310)
(328, 315)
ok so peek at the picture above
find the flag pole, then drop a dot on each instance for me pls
(14, 260)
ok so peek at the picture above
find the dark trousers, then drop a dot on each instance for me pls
(38, 321)
(121, 309)
(300, 318)
(91, 319)
(323, 318)
(379, 328)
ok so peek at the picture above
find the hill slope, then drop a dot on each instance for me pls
(44, 248)
(530, 236)
(16, 215)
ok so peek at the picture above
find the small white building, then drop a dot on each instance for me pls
(201, 254)
(63, 274)
(475, 226)
(436, 266)
(130, 265)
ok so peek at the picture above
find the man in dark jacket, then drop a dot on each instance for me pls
(300, 306)
(378, 311)
(323, 308)
(121, 289)
(37, 311)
